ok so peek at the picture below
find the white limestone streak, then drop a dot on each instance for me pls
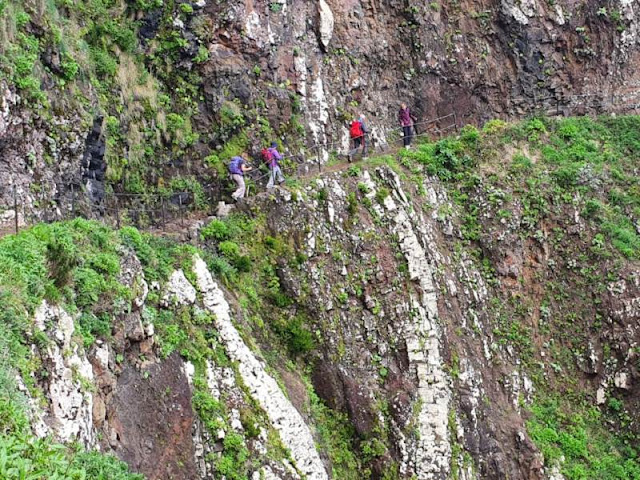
(433, 455)
(295, 434)
(179, 291)
(520, 11)
(70, 416)
(326, 23)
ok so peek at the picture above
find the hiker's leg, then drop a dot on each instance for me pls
(356, 146)
(406, 136)
(272, 177)
(239, 193)
(364, 146)
(279, 176)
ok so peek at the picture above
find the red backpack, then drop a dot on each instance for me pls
(267, 156)
(356, 129)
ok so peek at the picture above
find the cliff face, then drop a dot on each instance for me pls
(468, 310)
(464, 310)
(157, 99)
(481, 60)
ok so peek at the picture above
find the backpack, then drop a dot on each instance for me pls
(356, 129)
(234, 166)
(267, 156)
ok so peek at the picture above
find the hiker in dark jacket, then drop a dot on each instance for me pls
(406, 122)
(237, 168)
(274, 167)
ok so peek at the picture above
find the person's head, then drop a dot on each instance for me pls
(362, 117)
(403, 105)
(274, 144)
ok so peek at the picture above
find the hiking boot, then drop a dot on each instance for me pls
(349, 158)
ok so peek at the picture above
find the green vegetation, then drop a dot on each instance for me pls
(575, 437)
(577, 159)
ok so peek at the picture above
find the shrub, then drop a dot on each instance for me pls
(381, 194)
(69, 67)
(469, 135)
(534, 128)
(229, 249)
(354, 170)
(592, 208)
(494, 126)
(216, 230)
(295, 334)
(103, 63)
(521, 163)
(363, 188)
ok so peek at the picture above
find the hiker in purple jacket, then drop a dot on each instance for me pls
(406, 122)
(274, 167)
(237, 168)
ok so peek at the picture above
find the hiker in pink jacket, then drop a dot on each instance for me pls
(406, 122)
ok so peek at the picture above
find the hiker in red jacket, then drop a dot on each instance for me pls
(357, 132)
(406, 122)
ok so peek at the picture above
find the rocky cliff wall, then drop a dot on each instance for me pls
(157, 100)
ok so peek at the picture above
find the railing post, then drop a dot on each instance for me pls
(164, 219)
(115, 196)
(73, 201)
(318, 156)
(557, 107)
(612, 100)
(455, 121)
(181, 212)
(15, 206)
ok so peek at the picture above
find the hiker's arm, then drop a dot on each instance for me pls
(245, 168)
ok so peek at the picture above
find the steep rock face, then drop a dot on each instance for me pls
(122, 396)
(480, 61)
(71, 408)
(306, 68)
(386, 324)
(295, 434)
(46, 151)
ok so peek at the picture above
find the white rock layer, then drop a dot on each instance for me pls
(179, 291)
(326, 23)
(433, 456)
(294, 433)
(70, 416)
